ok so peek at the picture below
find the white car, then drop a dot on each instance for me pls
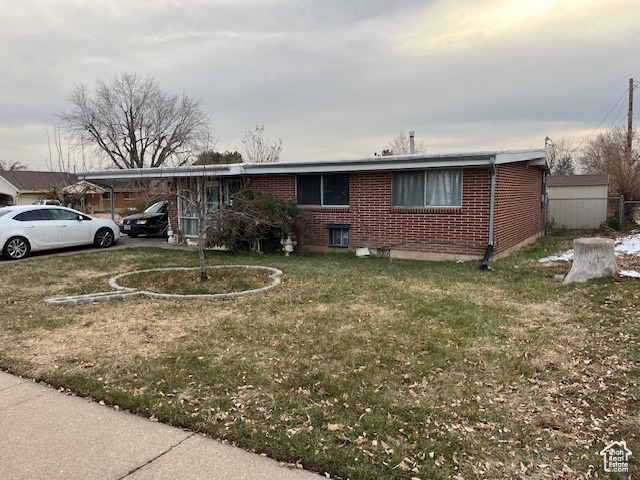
(26, 228)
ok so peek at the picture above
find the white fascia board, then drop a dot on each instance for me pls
(540, 162)
(533, 157)
(367, 164)
(160, 173)
(397, 162)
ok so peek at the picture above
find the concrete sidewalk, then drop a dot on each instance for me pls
(46, 434)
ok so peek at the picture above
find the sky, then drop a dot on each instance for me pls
(331, 78)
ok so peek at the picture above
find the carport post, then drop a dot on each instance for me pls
(113, 203)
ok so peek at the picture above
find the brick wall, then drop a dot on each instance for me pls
(97, 203)
(520, 214)
(376, 224)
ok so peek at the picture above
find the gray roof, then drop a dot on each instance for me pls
(28, 181)
(577, 180)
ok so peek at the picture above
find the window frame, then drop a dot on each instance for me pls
(425, 188)
(342, 227)
(230, 188)
(322, 190)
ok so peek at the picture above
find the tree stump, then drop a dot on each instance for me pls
(592, 258)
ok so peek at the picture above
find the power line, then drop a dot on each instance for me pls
(603, 120)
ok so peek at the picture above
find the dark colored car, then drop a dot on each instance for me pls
(153, 222)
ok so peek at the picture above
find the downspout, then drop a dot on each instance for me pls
(492, 212)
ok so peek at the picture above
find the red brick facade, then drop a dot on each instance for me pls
(442, 232)
(520, 212)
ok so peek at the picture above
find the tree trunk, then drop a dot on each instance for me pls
(592, 258)
(201, 244)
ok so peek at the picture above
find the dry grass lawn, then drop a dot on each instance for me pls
(362, 369)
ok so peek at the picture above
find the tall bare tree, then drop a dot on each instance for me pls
(607, 153)
(560, 155)
(400, 144)
(257, 149)
(134, 123)
(7, 166)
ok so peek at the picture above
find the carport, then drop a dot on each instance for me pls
(196, 177)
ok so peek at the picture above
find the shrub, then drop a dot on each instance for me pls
(258, 221)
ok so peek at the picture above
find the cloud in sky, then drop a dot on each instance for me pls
(332, 79)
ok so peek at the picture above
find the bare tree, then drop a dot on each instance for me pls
(14, 166)
(134, 123)
(607, 153)
(560, 156)
(256, 149)
(400, 145)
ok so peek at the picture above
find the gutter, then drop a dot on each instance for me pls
(492, 213)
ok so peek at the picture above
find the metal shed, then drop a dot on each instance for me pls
(577, 202)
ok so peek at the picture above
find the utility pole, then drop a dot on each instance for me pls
(630, 123)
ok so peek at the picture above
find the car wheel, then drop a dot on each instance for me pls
(104, 238)
(16, 248)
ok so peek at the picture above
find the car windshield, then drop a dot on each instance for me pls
(156, 208)
(4, 212)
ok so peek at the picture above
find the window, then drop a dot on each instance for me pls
(326, 189)
(231, 187)
(127, 195)
(338, 235)
(32, 216)
(106, 195)
(212, 196)
(59, 214)
(188, 213)
(431, 188)
(196, 197)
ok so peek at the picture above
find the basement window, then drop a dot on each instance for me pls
(338, 234)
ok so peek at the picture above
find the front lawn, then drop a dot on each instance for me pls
(361, 368)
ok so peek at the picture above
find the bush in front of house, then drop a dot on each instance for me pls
(258, 221)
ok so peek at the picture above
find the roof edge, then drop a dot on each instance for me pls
(535, 157)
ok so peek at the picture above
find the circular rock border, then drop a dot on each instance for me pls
(275, 281)
(119, 292)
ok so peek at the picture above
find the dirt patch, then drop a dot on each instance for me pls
(144, 328)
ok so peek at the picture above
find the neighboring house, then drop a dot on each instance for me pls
(577, 201)
(24, 187)
(126, 195)
(453, 206)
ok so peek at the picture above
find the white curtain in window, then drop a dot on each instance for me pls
(444, 188)
(408, 189)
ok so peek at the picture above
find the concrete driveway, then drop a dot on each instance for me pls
(124, 242)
